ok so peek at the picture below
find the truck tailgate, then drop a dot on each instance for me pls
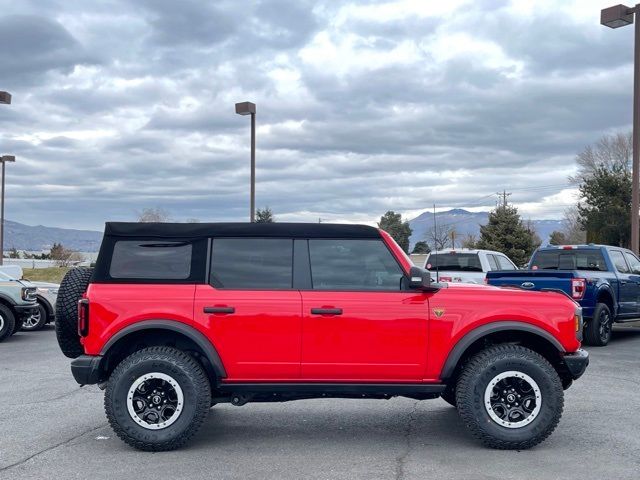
(533, 279)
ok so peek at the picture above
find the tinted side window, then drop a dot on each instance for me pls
(505, 264)
(148, 259)
(353, 265)
(252, 263)
(618, 261)
(634, 263)
(493, 263)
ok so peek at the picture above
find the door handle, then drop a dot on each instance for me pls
(219, 310)
(326, 311)
(623, 282)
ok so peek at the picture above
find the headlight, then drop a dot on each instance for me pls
(29, 294)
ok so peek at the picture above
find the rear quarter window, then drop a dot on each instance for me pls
(151, 260)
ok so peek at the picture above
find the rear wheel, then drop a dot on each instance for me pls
(598, 330)
(7, 322)
(509, 397)
(73, 286)
(157, 398)
(36, 321)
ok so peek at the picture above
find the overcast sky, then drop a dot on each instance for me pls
(363, 106)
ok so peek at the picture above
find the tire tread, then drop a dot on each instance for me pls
(192, 368)
(464, 393)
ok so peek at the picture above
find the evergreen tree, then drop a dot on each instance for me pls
(604, 210)
(506, 233)
(265, 215)
(392, 223)
(557, 238)
(421, 247)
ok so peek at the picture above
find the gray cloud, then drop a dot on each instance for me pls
(362, 107)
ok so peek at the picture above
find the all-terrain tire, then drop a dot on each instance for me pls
(73, 286)
(36, 322)
(484, 368)
(189, 376)
(7, 322)
(597, 331)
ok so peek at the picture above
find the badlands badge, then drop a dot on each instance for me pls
(438, 312)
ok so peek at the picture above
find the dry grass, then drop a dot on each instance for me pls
(51, 274)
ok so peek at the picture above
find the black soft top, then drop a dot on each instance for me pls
(205, 230)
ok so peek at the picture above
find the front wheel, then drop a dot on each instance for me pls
(7, 322)
(157, 398)
(598, 329)
(36, 321)
(509, 397)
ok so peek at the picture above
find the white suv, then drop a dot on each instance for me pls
(465, 265)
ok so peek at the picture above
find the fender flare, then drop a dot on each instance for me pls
(47, 305)
(476, 334)
(172, 326)
(606, 287)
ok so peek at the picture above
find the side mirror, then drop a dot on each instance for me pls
(420, 279)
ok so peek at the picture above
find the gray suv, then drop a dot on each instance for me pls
(17, 302)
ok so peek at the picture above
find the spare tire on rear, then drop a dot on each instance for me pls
(73, 286)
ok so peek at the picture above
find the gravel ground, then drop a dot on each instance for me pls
(51, 428)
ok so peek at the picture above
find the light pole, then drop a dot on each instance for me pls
(5, 98)
(248, 108)
(4, 159)
(615, 17)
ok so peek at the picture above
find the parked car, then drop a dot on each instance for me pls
(464, 265)
(605, 280)
(176, 318)
(17, 302)
(46, 294)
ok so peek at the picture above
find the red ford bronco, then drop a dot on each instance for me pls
(176, 318)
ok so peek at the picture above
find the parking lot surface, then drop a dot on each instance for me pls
(51, 428)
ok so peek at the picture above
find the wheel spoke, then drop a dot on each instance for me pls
(155, 401)
(512, 399)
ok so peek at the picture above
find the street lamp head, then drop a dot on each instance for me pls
(7, 158)
(5, 97)
(616, 16)
(246, 108)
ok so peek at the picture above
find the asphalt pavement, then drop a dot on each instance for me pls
(52, 429)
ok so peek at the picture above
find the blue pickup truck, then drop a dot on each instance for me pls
(605, 281)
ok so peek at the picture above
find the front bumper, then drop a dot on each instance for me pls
(86, 369)
(25, 311)
(576, 363)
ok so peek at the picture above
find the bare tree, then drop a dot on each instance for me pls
(153, 215)
(612, 152)
(571, 227)
(469, 241)
(64, 257)
(440, 236)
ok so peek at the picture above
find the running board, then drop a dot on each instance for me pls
(241, 393)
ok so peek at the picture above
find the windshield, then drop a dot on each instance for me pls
(457, 262)
(4, 276)
(585, 259)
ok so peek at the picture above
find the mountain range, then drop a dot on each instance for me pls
(467, 223)
(40, 238)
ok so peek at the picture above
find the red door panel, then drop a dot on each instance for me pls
(379, 336)
(260, 339)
